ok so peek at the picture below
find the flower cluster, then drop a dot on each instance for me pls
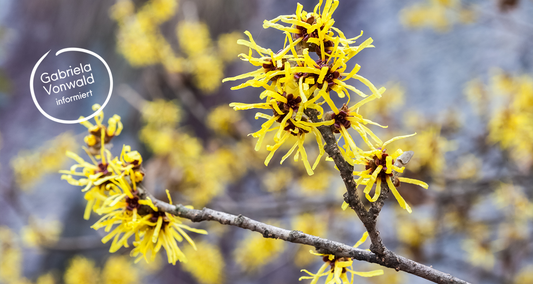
(507, 102)
(112, 187)
(183, 153)
(294, 82)
(30, 166)
(141, 41)
(439, 15)
(297, 83)
(337, 268)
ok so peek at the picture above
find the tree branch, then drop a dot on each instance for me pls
(388, 259)
(369, 218)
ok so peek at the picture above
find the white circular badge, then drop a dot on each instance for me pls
(84, 80)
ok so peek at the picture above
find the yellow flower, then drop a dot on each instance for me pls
(47, 278)
(431, 148)
(524, 276)
(414, 233)
(223, 120)
(393, 99)
(207, 70)
(39, 232)
(206, 264)
(193, 37)
(378, 169)
(96, 178)
(82, 271)
(346, 118)
(479, 253)
(315, 184)
(110, 186)
(10, 256)
(163, 230)
(139, 39)
(161, 113)
(119, 270)
(294, 82)
(122, 209)
(337, 268)
(437, 14)
(312, 224)
(228, 47)
(29, 166)
(257, 251)
(100, 134)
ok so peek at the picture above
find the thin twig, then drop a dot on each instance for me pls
(369, 218)
(389, 259)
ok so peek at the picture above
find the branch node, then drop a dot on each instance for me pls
(240, 220)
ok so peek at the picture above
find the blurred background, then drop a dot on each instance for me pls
(458, 72)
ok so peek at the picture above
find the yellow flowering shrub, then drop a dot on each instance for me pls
(141, 41)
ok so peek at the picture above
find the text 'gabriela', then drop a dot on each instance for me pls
(83, 70)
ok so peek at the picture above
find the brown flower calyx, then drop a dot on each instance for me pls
(375, 162)
(303, 30)
(156, 215)
(133, 203)
(270, 66)
(97, 133)
(292, 103)
(335, 259)
(340, 118)
(330, 76)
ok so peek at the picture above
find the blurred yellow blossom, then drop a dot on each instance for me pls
(502, 83)
(139, 38)
(479, 246)
(511, 115)
(228, 47)
(512, 198)
(478, 96)
(393, 98)
(430, 148)
(257, 251)
(141, 41)
(82, 271)
(10, 256)
(193, 37)
(120, 270)
(479, 253)
(223, 120)
(182, 151)
(315, 184)
(206, 264)
(161, 113)
(312, 224)
(437, 14)
(41, 232)
(29, 166)
(415, 232)
(208, 72)
(278, 179)
(524, 276)
(47, 278)
(468, 167)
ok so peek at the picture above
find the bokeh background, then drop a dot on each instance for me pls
(459, 73)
